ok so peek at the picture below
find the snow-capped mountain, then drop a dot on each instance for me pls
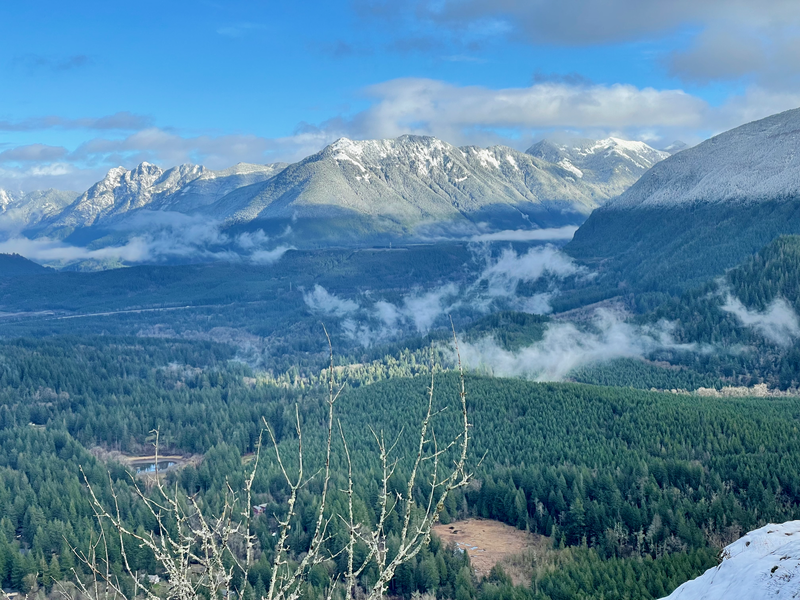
(20, 210)
(763, 564)
(412, 180)
(755, 162)
(365, 188)
(186, 188)
(611, 165)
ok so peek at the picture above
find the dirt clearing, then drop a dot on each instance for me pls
(490, 542)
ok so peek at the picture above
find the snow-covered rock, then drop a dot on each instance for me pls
(763, 564)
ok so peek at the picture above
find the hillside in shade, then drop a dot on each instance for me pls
(13, 265)
(700, 211)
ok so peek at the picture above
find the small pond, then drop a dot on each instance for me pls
(151, 467)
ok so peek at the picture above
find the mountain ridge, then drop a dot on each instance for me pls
(699, 212)
(754, 162)
(612, 164)
(392, 186)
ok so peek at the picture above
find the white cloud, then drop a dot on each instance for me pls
(421, 310)
(505, 274)
(565, 348)
(267, 257)
(45, 250)
(160, 235)
(527, 235)
(427, 106)
(778, 323)
(321, 301)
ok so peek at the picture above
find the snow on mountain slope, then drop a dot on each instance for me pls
(612, 164)
(122, 191)
(410, 180)
(21, 210)
(376, 186)
(763, 564)
(182, 189)
(756, 162)
(210, 186)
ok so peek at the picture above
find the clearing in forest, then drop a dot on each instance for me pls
(490, 542)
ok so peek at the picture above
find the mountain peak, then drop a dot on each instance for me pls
(612, 162)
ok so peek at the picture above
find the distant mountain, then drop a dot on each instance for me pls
(21, 210)
(675, 147)
(700, 211)
(14, 265)
(765, 563)
(611, 165)
(364, 188)
(397, 185)
(186, 189)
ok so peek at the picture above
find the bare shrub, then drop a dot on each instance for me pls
(202, 555)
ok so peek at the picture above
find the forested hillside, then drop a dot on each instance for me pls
(649, 483)
(12, 265)
(757, 337)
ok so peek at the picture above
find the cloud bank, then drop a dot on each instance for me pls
(368, 321)
(462, 115)
(778, 323)
(565, 348)
(161, 236)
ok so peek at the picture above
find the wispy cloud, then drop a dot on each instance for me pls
(322, 301)
(368, 321)
(504, 274)
(778, 322)
(160, 236)
(121, 121)
(565, 348)
(33, 153)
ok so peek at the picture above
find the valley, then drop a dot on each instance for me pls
(631, 393)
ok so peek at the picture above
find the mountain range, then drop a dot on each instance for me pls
(356, 191)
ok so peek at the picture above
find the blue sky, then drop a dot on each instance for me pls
(90, 85)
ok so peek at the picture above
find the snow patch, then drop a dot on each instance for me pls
(765, 563)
